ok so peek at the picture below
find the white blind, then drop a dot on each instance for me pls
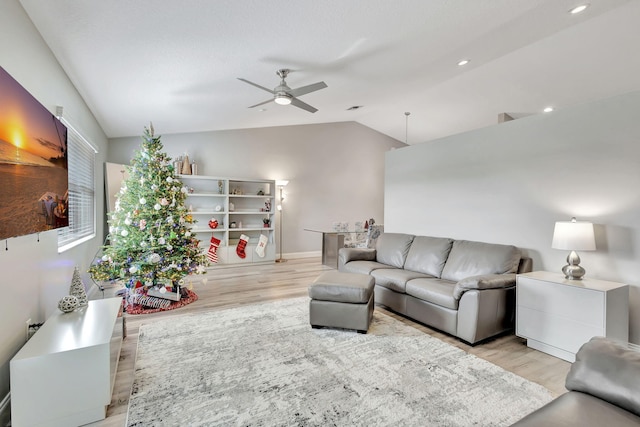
(81, 160)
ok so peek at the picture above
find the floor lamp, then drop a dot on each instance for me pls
(281, 184)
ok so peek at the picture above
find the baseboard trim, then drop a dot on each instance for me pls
(5, 405)
(297, 255)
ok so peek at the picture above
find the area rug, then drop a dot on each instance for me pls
(263, 365)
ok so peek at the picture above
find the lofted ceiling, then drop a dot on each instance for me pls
(177, 63)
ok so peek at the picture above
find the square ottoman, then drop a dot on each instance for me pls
(341, 300)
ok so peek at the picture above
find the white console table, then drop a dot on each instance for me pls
(64, 375)
(557, 315)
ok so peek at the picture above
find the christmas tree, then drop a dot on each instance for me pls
(151, 244)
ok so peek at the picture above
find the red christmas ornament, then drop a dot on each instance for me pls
(213, 223)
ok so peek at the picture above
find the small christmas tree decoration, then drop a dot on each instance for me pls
(77, 288)
(242, 244)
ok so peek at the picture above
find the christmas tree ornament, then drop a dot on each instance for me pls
(68, 303)
(212, 253)
(77, 288)
(213, 223)
(262, 244)
(242, 244)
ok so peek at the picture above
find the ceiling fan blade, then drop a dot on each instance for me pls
(307, 89)
(256, 85)
(262, 103)
(304, 106)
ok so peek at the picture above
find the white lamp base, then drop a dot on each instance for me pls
(573, 271)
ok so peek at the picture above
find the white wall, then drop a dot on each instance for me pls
(34, 275)
(509, 183)
(335, 170)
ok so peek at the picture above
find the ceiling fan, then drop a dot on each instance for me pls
(284, 95)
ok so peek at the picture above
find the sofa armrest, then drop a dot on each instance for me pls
(485, 281)
(356, 254)
(608, 370)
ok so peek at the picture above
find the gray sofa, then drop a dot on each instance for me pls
(604, 389)
(461, 287)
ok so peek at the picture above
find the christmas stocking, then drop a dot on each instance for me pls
(241, 245)
(212, 253)
(262, 243)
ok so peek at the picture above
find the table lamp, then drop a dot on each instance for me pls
(574, 236)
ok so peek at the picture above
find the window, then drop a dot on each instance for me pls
(81, 159)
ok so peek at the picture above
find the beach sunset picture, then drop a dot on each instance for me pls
(33, 164)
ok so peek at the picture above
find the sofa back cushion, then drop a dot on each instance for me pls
(476, 258)
(608, 370)
(428, 254)
(392, 248)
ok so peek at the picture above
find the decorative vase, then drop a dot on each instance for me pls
(68, 303)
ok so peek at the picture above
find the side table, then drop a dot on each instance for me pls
(557, 315)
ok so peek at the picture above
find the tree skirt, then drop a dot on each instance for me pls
(154, 305)
(264, 365)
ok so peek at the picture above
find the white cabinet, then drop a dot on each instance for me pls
(240, 206)
(557, 315)
(64, 375)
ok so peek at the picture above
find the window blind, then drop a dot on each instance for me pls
(81, 160)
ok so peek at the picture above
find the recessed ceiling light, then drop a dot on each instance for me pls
(463, 62)
(548, 109)
(579, 9)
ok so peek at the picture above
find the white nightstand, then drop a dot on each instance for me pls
(557, 315)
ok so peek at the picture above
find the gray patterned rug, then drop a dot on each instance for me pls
(263, 365)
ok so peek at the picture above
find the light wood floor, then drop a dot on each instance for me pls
(237, 286)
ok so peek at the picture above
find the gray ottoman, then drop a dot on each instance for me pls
(341, 300)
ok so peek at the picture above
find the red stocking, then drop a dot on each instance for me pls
(241, 245)
(212, 253)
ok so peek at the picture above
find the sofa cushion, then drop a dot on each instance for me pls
(608, 370)
(428, 254)
(436, 291)
(395, 278)
(342, 287)
(477, 258)
(392, 248)
(362, 267)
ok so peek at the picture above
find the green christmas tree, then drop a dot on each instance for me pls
(150, 239)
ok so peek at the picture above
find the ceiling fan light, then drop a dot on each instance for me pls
(282, 99)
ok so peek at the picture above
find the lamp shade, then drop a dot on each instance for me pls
(574, 236)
